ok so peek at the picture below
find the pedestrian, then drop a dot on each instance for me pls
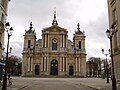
(10, 81)
(8, 76)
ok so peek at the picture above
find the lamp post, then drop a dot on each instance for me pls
(106, 65)
(110, 33)
(9, 31)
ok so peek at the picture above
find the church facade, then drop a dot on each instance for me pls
(54, 54)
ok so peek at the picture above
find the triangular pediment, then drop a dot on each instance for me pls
(54, 28)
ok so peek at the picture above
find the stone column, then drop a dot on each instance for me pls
(29, 64)
(60, 64)
(63, 64)
(79, 64)
(46, 40)
(76, 64)
(62, 40)
(42, 40)
(44, 64)
(66, 64)
(47, 64)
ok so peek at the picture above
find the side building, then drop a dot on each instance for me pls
(54, 54)
(93, 67)
(114, 20)
(3, 15)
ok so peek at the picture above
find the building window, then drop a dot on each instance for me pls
(43, 64)
(79, 44)
(62, 64)
(114, 16)
(54, 44)
(29, 43)
(62, 40)
(43, 40)
(65, 41)
(47, 41)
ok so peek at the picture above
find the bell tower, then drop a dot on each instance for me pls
(29, 38)
(79, 39)
(28, 51)
(79, 51)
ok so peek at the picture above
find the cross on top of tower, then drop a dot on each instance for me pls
(30, 29)
(78, 30)
(54, 20)
(31, 26)
(78, 27)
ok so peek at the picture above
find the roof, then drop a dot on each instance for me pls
(78, 30)
(54, 28)
(39, 41)
(30, 29)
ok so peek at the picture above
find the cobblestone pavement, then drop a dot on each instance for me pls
(25, 83)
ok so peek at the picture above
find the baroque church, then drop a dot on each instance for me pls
(54, 54)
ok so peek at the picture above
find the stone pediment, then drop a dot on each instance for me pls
(54, 28)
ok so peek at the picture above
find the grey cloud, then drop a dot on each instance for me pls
(17, 48)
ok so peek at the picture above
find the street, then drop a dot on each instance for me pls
(40, 83)
(22, 83)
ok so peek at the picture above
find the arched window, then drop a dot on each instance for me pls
(54, 44)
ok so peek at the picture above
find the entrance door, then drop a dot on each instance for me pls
(54, 67)
(36, 69)
(70, 70)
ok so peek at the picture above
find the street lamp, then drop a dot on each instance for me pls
(9, 31)
(109, 34)
(106, 65)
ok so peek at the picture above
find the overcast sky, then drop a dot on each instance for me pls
(91, 14)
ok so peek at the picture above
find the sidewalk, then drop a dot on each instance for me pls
(14, 86)
(98, 83)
